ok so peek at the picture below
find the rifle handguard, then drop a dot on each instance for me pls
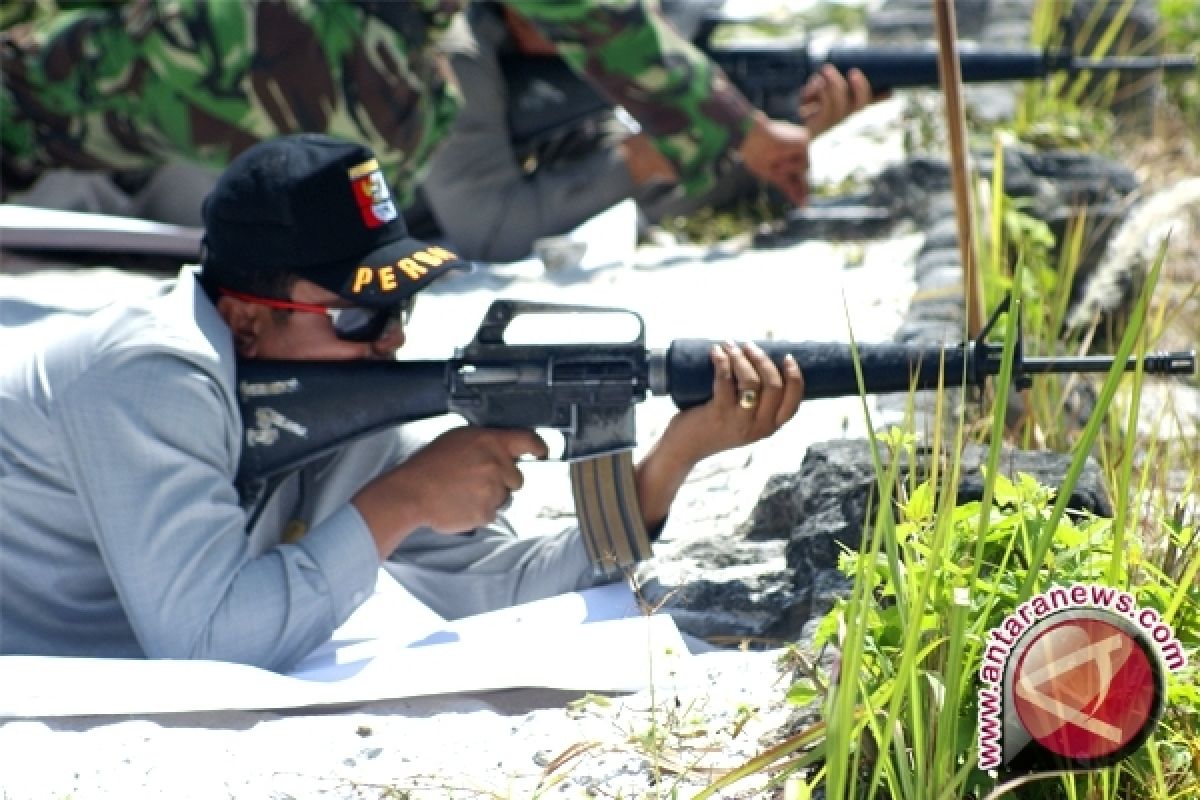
(828, 368)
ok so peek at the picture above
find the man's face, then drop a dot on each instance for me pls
(263, 332)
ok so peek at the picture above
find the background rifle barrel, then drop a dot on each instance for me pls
(771, 75)
(916, 67)
(758, 67)
(1168, 63)
(906, 68)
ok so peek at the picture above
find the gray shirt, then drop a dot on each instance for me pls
(122, 533)
(477, 168)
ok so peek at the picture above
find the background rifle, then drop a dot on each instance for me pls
(546, 97)
(295, 411)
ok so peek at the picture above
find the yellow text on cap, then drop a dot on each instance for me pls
(413, 267)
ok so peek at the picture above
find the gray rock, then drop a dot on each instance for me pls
(777, 575)
(836, 486)
(723, 589)
(920, 187)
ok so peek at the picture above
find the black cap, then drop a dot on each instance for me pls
(319, 208)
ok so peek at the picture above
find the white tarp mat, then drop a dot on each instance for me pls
(42, 229)
(392, 647)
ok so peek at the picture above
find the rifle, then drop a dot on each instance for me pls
(294, 411)
(546, 96)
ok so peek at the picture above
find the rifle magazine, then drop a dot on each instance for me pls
(610, 517)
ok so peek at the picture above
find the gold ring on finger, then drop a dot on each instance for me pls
(748, 398)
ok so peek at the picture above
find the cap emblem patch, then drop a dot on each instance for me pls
(372, 195)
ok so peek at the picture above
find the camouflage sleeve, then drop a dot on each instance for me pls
(695, 116)
(128, 86)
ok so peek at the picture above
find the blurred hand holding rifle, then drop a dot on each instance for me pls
(294, 412)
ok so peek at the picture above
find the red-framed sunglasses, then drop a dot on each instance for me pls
(350, 324)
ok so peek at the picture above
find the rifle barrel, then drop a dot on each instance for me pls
(1152, 364)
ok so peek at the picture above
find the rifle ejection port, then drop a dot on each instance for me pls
(475, 375)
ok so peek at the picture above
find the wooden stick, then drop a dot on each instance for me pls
(956, 128)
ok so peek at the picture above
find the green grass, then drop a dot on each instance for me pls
(1181, 26)
(933, 576)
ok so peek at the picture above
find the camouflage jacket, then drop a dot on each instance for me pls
(128, 86)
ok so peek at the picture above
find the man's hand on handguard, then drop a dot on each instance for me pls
(457, 482)
(752, 399)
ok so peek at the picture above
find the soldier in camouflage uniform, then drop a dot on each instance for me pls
(131, 86)
(521, 190)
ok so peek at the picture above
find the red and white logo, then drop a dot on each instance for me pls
(1084, 688)
(371, 194)
(1073, 677)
